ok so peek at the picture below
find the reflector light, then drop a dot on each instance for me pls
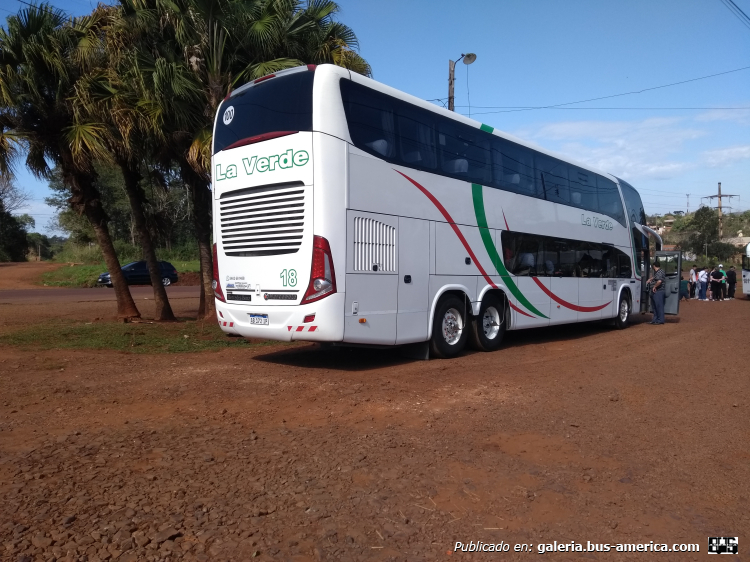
(311, 67)
(216, 284)
(362, 320)
(263, 78)
(309, 318)
(322, 274)
(258, 138)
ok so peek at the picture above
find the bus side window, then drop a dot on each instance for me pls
(589, 259)
(464, 152)
(624, 269)
(610, 203)
(583, 192)
(552, 179)
(416, 131)
(513, 168)
(369, 115)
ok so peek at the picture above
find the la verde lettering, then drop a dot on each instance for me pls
(596, 222)
(262, 164)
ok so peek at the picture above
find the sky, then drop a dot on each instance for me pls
(668, 142)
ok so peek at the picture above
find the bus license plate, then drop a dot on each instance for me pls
(259, 319)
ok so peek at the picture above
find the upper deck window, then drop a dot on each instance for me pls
(279, 104)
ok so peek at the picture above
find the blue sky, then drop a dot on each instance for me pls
(534, 53)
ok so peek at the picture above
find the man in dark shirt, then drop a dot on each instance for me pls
(716, 277)
(731, 281)
(656, 288)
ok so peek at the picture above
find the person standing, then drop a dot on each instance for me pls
(732, 282)
(723, 282)
(693, 280)
(716, 277)
(703, 283)
(656, 286)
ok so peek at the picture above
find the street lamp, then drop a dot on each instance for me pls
(468, 58)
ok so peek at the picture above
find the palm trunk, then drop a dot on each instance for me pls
(201, 197)
(85, 199)
(136, 198)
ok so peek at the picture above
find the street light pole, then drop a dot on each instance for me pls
(468, 58)
(451, 84)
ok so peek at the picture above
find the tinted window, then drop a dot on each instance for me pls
(512, 167)
(589, 260)
(464, 152)
(552, 177)
(371, 119)
(278, 104)
(416, 137)
(534, 255)
(633, 204)
(610, 203)
(583, 189)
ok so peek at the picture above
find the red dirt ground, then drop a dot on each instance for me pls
(292, 452)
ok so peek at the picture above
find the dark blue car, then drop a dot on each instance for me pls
(136, 273)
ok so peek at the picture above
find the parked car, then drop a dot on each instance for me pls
(136, 273)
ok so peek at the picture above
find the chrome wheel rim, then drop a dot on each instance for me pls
(491, 323)
(166, 282)
(624, 310)
(453, 326)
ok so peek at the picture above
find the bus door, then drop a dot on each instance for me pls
(413, 280)
(671, 263)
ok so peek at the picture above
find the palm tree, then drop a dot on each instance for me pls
(189, 54)
(104, 97)
(42, 56)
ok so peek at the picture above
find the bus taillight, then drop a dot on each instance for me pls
(322, 274)
(215, 284)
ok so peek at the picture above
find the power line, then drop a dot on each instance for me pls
(605, 108)
(737, 11)
(624, 93)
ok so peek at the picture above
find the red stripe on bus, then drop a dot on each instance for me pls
(567, 304)
(312, 328)
(506, 221)
(300, 328)
(514, 307)
(453, 225)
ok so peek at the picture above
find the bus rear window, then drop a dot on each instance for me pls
(279, 104)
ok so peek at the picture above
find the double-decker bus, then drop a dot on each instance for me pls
(348, 212)
(746, 271)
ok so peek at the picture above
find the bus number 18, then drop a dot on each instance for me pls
(289, 278)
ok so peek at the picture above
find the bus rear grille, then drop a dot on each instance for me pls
(374, 245)
(263, 221)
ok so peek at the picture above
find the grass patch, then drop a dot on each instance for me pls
(86, 275)
(73, 276)
(178, 337)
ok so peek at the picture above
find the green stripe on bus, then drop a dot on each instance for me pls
(489, 245)
(486, 128)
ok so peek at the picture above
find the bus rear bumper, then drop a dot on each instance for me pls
(286, 323)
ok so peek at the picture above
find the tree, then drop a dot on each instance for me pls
(187, 55)
(12, 237)
(42, 58)
(13, 198)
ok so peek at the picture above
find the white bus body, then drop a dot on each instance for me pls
(323, 237)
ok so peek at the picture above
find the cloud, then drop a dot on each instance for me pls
(726, 156)
(740, 116)
(649, 148)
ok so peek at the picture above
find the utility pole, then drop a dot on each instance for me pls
(719, 196)
(451, 84)
(468, 58)
(687, 209)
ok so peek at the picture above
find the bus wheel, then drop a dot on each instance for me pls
(623, 313)
(488, 328)
(449, 329)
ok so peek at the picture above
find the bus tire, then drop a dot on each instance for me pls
(449, 328)
(622, 320)
(487, 329)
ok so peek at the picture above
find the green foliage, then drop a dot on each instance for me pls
(178, 337)
(12, 237)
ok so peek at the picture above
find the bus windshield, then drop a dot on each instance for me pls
(278, 104)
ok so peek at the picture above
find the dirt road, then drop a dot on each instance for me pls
(579, 433)
(64, 295)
